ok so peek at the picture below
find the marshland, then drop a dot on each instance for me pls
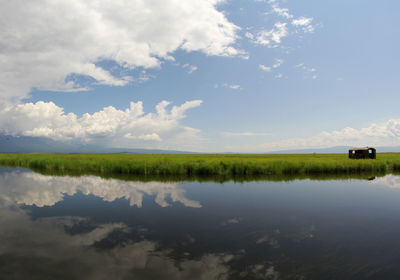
(189, 166)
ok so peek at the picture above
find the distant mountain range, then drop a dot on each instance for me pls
(24, 144)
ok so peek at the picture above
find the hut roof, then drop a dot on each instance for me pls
(361, 148)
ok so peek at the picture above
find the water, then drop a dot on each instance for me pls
(54, 227)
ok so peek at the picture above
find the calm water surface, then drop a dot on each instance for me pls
(92, 228)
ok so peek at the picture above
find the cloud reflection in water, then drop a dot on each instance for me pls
(390, 181)
(35, 189)
(43, 248)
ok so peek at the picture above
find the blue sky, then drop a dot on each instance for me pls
(244, 76)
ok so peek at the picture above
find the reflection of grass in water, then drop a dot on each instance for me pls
(207, 167)
(217, 179)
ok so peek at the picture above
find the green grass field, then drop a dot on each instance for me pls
(204, 165)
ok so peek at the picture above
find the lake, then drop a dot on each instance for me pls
(87, 227)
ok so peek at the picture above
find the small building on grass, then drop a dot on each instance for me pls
(363, 152)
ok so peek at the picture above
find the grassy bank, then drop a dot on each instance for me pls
(203, 165)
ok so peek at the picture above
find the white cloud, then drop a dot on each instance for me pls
(278, 62)
(189, 68)
(43, 42)
(304, 23)
(264, 68)
(240, 134)
(283, 27)
(169, 58)
(283, 12)
(143, 77)
(110, 125)
(273, 37)
(376, 134)
(279, 76)
(150, 136)
(249, 35)
(310, 72)
(235, 87)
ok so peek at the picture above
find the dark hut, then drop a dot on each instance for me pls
(364, 152)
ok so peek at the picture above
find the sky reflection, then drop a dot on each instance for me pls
(92, 228)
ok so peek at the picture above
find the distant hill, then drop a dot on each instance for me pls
(25, 144)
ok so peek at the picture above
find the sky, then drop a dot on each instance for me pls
(202, 75)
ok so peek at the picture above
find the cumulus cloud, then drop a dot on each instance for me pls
(383, 134)
(45, 119)
(376, 134)
(42, 42)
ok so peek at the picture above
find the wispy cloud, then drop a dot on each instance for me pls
(285, 26)
(231, 221)
(189, 68)
(264, 68)
(278, 62)
(244, 134)
(143, 77)
(272, 38)
(234, 87)
(310, 72)
(249, 35)
(283, 12)
(146, 137)
(304, 23)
